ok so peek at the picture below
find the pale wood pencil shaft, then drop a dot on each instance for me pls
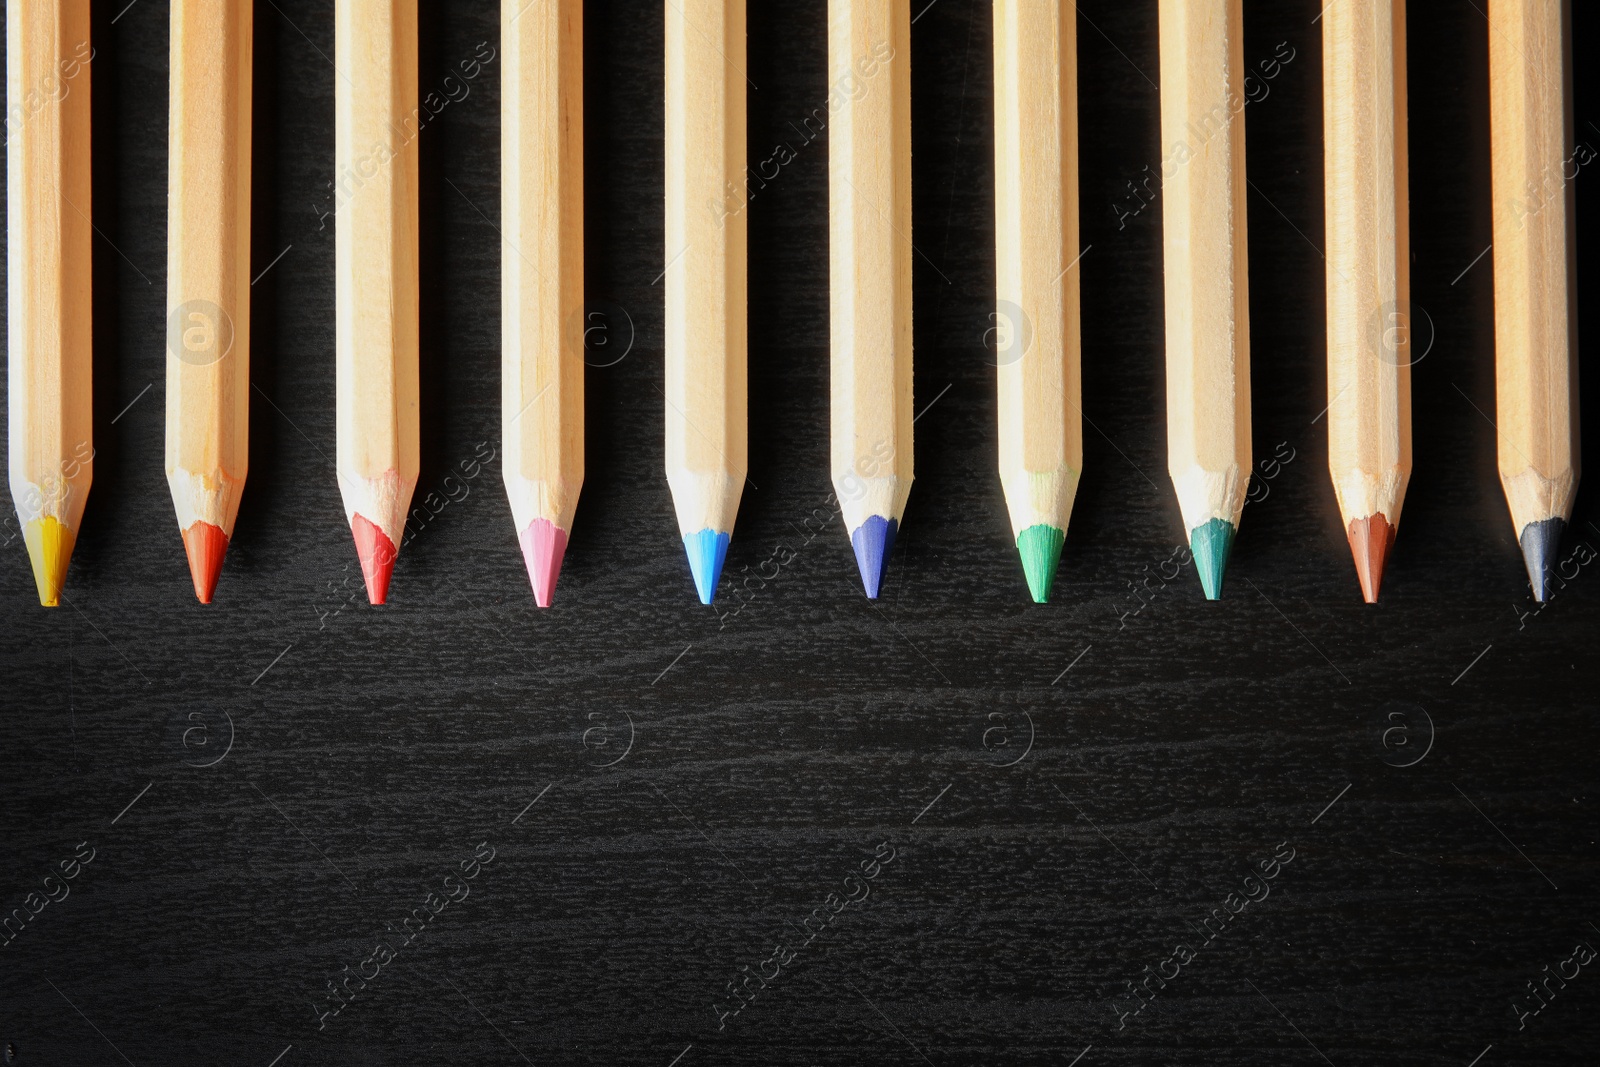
(1036, 249)
(870, 257)
(208, 261)
(376, 123)
(1532, 163)
(705, 278)
(50, 361)
(1370, 328)
(542, 309)
(1368, 252)
(1204, 246)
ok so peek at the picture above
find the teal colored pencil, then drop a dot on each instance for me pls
(1207, 283)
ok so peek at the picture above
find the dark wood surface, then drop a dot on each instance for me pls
(270, 784)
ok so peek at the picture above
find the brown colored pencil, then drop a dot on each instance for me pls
(1368, 276)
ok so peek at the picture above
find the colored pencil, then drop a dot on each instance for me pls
(1207, 285)
(541, 272)
(50, 364)
(375, 152)
(1535, 306)
(1368, 274)
(1036, 246)
(869, 268)
(208, 278)
(705, 278)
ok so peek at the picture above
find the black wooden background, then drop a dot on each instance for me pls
(269, 786)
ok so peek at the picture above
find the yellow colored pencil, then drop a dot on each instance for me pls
(48, 265)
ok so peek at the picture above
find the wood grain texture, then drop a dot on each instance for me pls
(1367, 226)
(805, 725)
(541, 262)
(49, 364)
(872, 458)
(377, 121)
(1205, 257)
(1037, 246)
(208, 262)
(705, 270)
(1532, 163)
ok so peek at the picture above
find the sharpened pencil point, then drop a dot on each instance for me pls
(205, 546)
(544, 544)
(377, 554)
(1210, 544)
(1370, 541)
(873, 540)
(49, 550)
(1040, 547)
(707, 550)
(1541, 541)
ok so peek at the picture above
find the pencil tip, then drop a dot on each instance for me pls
(49, 549)
(873, 540)
(1370, 541)
(1541, 541)
(1210, 543)
(205, 546)
(707, 550)
(1040, 547)
(543, 546)
(377, 554)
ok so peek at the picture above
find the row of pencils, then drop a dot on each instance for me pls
(708, 185)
